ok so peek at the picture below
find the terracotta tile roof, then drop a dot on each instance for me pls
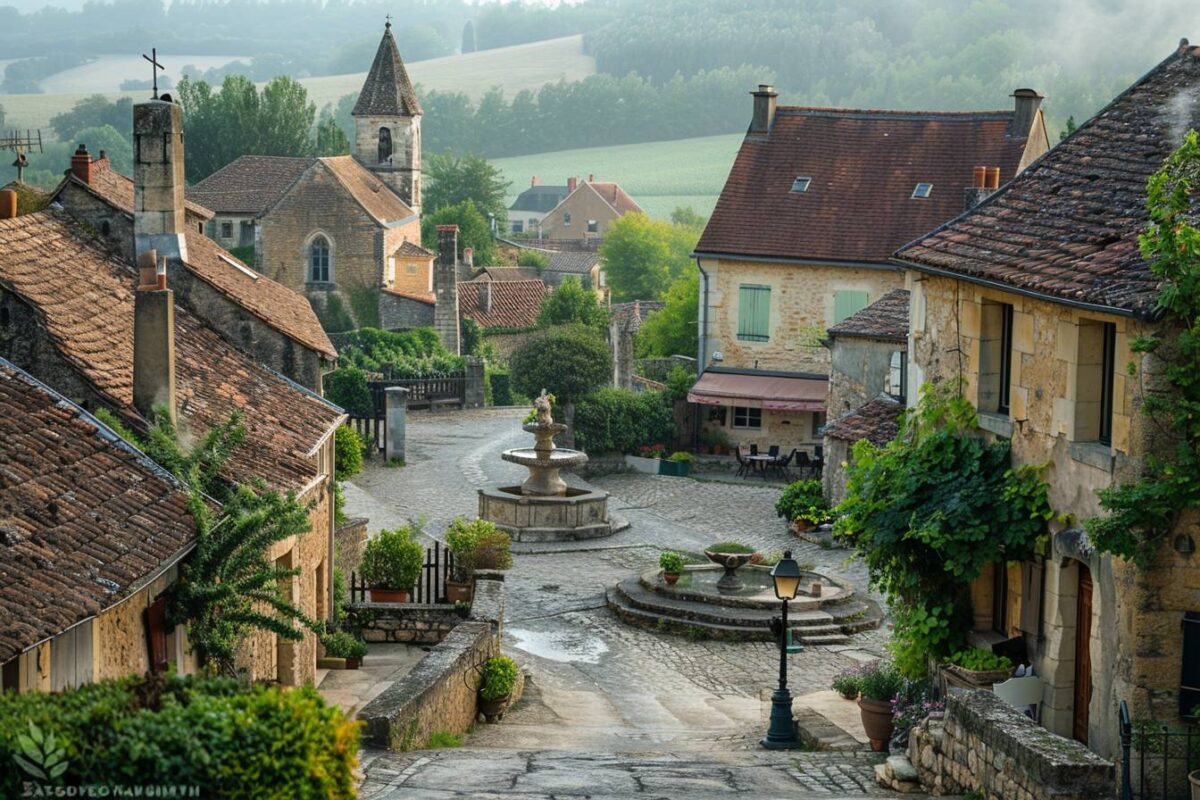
(414, 250)
(515, 304)
(387, 90)
(508, 274)
(375, 196)
(886, 318)
(85, 519)
(279, 307)
(249, 185)
(118, 189)
(863, 166)
(1067, 228)
(616, 197)
(84, 296)
(631, 315)
(877, 421)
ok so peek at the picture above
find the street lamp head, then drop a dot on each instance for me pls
(786, 575)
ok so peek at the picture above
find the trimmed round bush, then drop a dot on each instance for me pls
(393, 559)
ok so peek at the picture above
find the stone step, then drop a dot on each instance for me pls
(654, 621)
(839, 638)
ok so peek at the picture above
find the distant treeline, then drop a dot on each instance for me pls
(599, 110)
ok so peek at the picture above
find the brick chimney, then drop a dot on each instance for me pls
(153, 337)
(8, 204)
(572, 184)
(1026, 103)
(764, 109)
(81, 164)
(445, 287)
(534, 181)
(158, 182)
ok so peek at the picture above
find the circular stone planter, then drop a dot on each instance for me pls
(576, 514)
(731, 562)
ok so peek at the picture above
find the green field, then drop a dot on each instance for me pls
(527, 66)
(106, 73)
(660, 176)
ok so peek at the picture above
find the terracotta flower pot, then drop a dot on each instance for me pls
(457, 592)
(389, 595)
(1194, 780)
(670, 577)
(352, 663)
(877, 722)
(801, 525)
(493, 710)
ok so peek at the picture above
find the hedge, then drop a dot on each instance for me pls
(623, 420)
(501, 383)
(347, 386)
(229, 738)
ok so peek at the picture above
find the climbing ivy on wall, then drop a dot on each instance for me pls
(1142, 513)
(928, 511)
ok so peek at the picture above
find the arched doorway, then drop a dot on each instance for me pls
(1083, 654)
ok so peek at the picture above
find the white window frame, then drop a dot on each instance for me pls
(749, 417)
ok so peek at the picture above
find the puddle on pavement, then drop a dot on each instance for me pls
(567, 647)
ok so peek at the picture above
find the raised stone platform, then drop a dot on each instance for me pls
(686, 608)
(577, 515)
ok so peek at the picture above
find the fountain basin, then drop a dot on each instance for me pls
(576, 514)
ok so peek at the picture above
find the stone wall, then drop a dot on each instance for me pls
(982, 744)
(407, 623)
(349, 541)
(402, 313)
(581, 205)
(859, 371)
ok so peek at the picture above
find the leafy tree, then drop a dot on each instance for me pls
(348, 453)
(331, 140)
(94, 112)
(347, 387)
(468, 37)
(1142, 514)
(108, 139)
(473, 230)
(673, 329)
(1067, 131)
(533, 258)
(686, 216)
(418, 43)
(470, 336)
(451, 180)
(569, 362)
(642, 256)
(571, 304)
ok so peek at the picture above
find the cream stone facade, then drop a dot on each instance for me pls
(1134, 642)
(587, 212)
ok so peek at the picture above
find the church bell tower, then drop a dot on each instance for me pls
(387, 124)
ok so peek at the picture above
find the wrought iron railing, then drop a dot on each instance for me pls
(1156, 758)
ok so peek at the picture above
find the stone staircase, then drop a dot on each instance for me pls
(637, 601)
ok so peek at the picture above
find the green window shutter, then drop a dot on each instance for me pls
(754, 313)
(846, 304)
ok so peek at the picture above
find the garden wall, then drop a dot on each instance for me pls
(350, 539)
(982, 744)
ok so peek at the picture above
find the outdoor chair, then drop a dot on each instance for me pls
(1022, 694)
(743, 464)
(781, 465)
(803, 464)
(773, 451)
(753, 449)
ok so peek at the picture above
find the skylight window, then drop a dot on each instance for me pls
(922, 191)
(801, 184)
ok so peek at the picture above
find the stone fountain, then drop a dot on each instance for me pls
(544, 508)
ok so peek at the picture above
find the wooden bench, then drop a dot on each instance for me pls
(445, 400)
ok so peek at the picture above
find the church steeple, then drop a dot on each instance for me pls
(387, 123)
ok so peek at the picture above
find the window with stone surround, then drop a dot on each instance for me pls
(319, 262)
(385, 145)
(1095, 364)
(747, 417)
(754, 313)
(995, 356)
(898, 374)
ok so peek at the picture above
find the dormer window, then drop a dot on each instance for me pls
(922, 191)
(800, 185)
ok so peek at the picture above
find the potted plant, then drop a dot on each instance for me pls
(678, 464)
(671, 564)
(647, 458)
(492, 550)
(878, 684)
(462, 538)
(976, 668)
(803, 504)
(496, 684)
(342, 645)
(848, 682)
(391, 564)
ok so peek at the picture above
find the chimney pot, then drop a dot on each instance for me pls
(469, 256)
(591, 178)
(572, 183)
(534, 181)
(764, 109)
(8, 204)
(979, 177)
(160, 274)
(81, 164)
(147, 269)
(993, 177)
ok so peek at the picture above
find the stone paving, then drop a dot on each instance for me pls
(642, 712)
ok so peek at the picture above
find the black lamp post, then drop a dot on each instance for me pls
(781, 735)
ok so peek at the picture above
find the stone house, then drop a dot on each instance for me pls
(338, 229)
(815, 204)
(97, 557)
(1033, 298)
(624, 321)
(76, 314)
(266, 319)
(587, 210)
(526, 213)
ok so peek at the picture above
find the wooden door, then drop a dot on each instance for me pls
(1083, 654)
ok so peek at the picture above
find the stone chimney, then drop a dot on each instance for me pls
(591, 178)
(445, 287)
(534, 181)
(81, 164)
(572, 184)
(153, 337)
(1026, 104)
(8, 204)
(764, 109)
(158, 182)
(469, 257)
(485, 297)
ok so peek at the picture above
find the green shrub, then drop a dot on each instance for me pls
(679, 382)
(341, 644)
(670, 561)
(881, 681)
(620, 420)
(439, 740)
(848, 682)
(347, 453)
(533, 258)
(803, 500)
(681, 455)
(347, 386)
(417, 353)
(729, 547)
(976, 659)
(393, 559)
(501, 384)
(339, 596)
(229, 738)
(498, 678)
(493, 551)
(570, 361)
(477, 544)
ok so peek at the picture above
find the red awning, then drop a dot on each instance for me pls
(760, 391)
